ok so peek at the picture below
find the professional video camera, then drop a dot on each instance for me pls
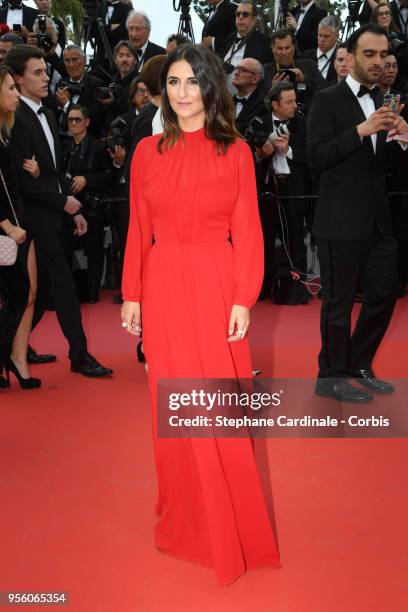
(93, 8)
(353, 7)
(282, 14)
(44, 39)
(117, 133)
(255, 133)
(104, 93)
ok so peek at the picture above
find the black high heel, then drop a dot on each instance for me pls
(25, 383)
(140, 354)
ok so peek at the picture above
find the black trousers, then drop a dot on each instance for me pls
(345, 266)
(55, 277)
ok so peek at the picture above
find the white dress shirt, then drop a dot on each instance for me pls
(323, 60)
(302, 14)
(14, 16)
(157, 123)
(366, 102)
(141, 55)
(109, 12)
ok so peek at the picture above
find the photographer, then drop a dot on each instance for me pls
(280, 147)
(327, 40)
(304, 21)
(44, 8)
(79, 88)
(115, 97)
(45, 36)
(87, 170)
(115, 21)
(15, 12)
(301, 72)
(249, 100)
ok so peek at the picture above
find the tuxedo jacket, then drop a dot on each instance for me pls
(254, 107)
(352, 178)
(306, 36)
(88, 98)
(29, 16)
(299, 179)
(258, 46)
(42, 199)
(331, 73)
(222, 22)
(152, 50)
(119, 15)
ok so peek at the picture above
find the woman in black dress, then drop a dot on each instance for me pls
(18, 282)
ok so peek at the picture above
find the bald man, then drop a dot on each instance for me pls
(249, 102)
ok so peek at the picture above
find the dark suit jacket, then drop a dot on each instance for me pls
(88, 98)
(299, 179)
(43, 202)
(152, 50)
(306, 36)
(222, 22)
(254, 107)
(331, 73)
(119, 15)
(29, 16)
(258, 46)
(353, 188)
(97, 165)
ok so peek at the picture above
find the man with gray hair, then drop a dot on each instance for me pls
(139, 26)
(327, 40)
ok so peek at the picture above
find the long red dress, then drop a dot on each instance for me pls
(191, 199)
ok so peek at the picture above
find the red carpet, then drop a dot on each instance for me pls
(78, 488)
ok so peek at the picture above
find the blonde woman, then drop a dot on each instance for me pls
(18, 282)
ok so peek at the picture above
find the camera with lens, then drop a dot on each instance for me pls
(255, 133)
(354, 9)
(44, 39)
(74, 89)
(228, 68)
(113, 89)
(117, 134)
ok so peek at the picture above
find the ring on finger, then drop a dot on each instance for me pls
(124, 324)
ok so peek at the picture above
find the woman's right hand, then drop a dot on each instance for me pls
(31, 165)
(18, 234)
(130, 314)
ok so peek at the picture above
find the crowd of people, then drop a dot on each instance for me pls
(67, 149)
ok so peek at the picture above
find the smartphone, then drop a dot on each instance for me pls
(16, 27)
(392, 101)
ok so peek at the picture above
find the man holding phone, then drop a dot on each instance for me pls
(346, 138)
(19, 14)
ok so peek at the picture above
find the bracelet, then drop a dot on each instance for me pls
(11, 231)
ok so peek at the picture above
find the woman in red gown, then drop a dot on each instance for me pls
(193, 192)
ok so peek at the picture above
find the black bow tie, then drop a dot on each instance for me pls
(364, 90)
(240, 100)
(323, 56)
(15, 8)
(278, 122)
(41, 111)
(302, 12)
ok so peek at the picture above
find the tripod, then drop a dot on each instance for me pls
(94, 34)
(349, 27)
(185, 24)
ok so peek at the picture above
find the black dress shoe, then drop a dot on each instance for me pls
(367, 379)
(341, 390)
(88, 366)
(35, 358)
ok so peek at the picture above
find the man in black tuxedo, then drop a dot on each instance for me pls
(399, 11)
(346, 133)
(247, 42)
(115, 21)
(35, 133)
(79, 88)
(304, 20)
(249, 101)
(139, 26)
(304, 72)
(282, 169)
(220, 22)
(16, 12)
(324, 55)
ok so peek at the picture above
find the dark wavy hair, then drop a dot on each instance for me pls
(218, 106)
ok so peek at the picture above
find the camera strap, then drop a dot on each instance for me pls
(237, 45)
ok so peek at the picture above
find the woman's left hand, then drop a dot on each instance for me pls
(238, 323)
(31, 165)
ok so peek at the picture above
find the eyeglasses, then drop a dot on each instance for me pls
(141, 92)
(242, 69)
(75, 119)
(391, 66)
(244, 14)
(384, 14)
